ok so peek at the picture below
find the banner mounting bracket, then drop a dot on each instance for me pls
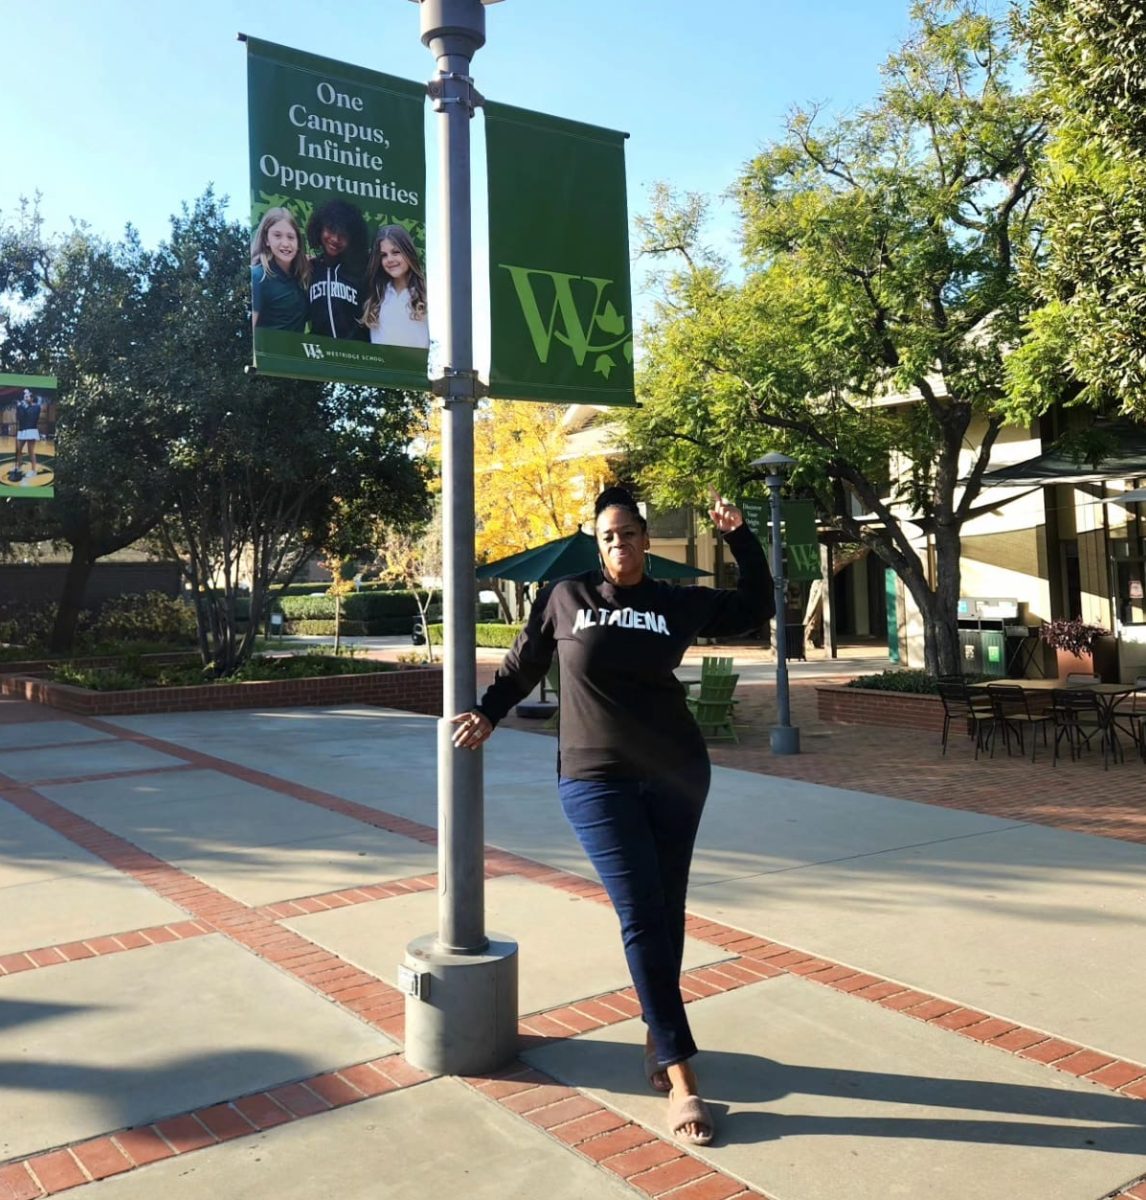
(466, 95)
(457, 384)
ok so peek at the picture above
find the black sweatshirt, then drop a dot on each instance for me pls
(623, 712)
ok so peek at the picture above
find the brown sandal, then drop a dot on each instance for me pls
(690, 1110)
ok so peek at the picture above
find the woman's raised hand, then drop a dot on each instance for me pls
(726, 517)
(472, 730)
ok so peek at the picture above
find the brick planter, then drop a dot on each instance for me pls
(418, 690)
(866, 706)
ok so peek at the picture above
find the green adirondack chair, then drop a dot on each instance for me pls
(713, 706)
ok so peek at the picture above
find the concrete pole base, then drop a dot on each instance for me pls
(465, 1022)
(785, 739)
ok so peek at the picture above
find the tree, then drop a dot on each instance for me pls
(74, 306)
(1089, 338)
(266, 472)
(529, 487)
(412, 556)
(881, 294)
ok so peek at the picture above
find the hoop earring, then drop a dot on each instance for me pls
(648, 564)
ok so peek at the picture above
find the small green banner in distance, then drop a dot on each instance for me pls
(28, 436)
(338, 220)
(800, 542)
(561, 307)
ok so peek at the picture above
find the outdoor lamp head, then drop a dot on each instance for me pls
(774, 466)
(453, 26)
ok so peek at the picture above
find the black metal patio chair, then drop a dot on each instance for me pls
(961, 703)
(1015, 711)
(1078, 718)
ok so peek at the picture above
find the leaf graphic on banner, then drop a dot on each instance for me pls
(604, 365)
(628, 351)
(611, 321)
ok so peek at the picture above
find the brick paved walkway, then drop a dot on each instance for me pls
(907, 765)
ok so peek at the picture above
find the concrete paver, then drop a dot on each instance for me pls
(22, 735)
(567, 947)
(819, 1094)
(94, 1046)
(256, 845)
(98, 758)
(823, 1093)
(1026, 922)
(51, 891)
(438, 1139)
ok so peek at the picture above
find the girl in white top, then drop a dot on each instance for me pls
(395, 311)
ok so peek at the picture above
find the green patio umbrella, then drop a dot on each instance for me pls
(573, 555)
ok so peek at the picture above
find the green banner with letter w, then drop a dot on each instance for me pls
(560, 300)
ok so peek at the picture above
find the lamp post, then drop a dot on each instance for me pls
(785, 739)
(460, 983)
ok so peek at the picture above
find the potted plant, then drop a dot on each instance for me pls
(1073, 641)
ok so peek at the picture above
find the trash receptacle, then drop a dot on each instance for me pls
(275, 625)
(994, 649)
(971, 651)
(418, 633)
(794, 641)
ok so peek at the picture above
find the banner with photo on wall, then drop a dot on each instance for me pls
(338, 220)
(561, 310)
(28, 436)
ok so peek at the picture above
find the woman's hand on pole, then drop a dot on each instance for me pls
(472, 730)
(725, 516)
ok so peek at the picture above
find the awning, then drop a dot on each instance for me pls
(573, 555)
(1126, 460)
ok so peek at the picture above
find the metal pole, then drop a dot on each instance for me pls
(461, 1008)
(461, 908)
(784, 739)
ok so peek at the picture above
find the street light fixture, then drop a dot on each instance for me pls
(785, 739)
(461, 982)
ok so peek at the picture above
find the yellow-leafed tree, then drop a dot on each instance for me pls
(531, 483)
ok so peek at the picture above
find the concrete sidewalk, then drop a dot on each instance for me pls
(203, 914)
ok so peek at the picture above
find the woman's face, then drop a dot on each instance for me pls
(394, 262)
(333, 242)
(622, 544)
(282, 240)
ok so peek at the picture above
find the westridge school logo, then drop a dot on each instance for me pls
(574, 311)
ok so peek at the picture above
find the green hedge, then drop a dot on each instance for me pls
(358, 606)
(495, 637)
(919, 682)
(324, 628)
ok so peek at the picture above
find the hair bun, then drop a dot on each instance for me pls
(614, 497)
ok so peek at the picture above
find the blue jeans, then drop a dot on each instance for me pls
(639, 836)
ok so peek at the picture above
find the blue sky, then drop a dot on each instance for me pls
(121, 110)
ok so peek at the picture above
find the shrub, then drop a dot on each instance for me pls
(919, 682)
(496, 637)
(260, 668)
(1075, 636)
(315, 628)
(98, 679)
(150, 617)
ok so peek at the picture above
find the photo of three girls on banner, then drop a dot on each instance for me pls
(351, 286)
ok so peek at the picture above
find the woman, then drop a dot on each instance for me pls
(396, 291)
(632, 764)
(279, 273)
(28, 409)
(337, 232)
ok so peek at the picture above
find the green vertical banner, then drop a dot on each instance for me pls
(338, 220)
(561, 307)
(28, 414)
(798, 535)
